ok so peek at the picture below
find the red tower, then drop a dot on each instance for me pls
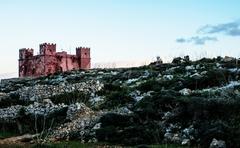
(83, 54)
(47, 49)
(25, 55)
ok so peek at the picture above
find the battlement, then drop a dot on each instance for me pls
(48, 49)
(47, 44)
(26, 53)
(83, 52)
(83, 48)
(27, 49)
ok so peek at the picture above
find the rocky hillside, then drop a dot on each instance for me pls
(190, 103)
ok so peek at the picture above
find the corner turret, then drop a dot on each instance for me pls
(83, 53)
(47, 49)
(25, 53)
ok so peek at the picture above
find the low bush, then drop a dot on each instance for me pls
(115, 96)
(212, 79)
(6, 134)
(158, 85)
(70, 97)
(12, 99)
(36, 124)
(128, 130)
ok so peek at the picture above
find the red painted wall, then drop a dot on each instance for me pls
(84, 57)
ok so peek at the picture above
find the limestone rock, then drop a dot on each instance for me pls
(185, 92)
(217, 144)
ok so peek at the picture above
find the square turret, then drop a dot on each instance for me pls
(25, 53)
(83, 53)
(47, 49)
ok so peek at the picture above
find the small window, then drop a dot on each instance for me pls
(49, 70)
(33, 71)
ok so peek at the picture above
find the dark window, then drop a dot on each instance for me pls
(49, 70)
(33, 71)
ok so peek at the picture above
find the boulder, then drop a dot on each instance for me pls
(189, 68)
(217, 144)
(185, 142)
(185, 92)
(76, 110)
(228, 59)
(177, 60)
(82, 128)
(167, 77)
(196, 76)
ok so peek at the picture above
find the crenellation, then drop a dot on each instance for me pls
(25, 53)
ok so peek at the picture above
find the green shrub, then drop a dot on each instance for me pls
(13, 99)
(212, 79)
(152, 107)
(115, 96)
(6, 134)
(108, 134)
(113, 119)
(70, 97)
(128, 130)
(116, 99)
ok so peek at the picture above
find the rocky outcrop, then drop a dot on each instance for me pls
(76, 110)
(3, 96)
(175, 134)
(10, 114)
(83, 124)
(39, 92)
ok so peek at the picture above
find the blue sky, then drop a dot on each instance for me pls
(118, 30)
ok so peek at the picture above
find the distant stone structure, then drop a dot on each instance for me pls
(49, 61)
(159, 61)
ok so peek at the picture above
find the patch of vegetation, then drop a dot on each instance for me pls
(206, 61)
(128, 129)
(8, 130)
(63, 144)
(153, 107)
(212, 118)
(67, 144)
(77, 144)
(36, 124)
(6, 134)
(13, 99)
(70, 97)
(213, 78)
(76, 79)
(158, 85)
(115, 96)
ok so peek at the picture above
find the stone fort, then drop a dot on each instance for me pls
(48, 61)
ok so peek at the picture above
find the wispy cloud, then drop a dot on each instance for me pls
(231, 28)
(196, 40)
(181, 40)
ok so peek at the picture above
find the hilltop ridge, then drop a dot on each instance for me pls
(189, 103)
